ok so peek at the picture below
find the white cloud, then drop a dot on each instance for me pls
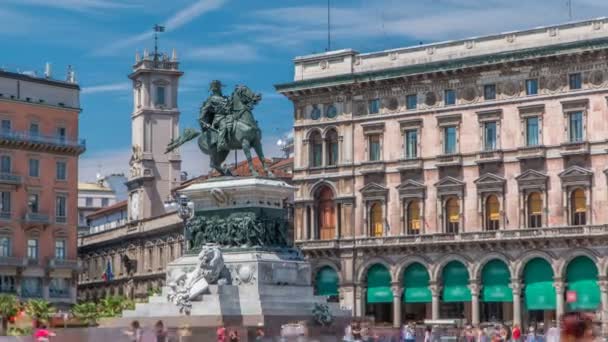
(106, 88)
(76, 5)
(179, 19)
(237, 52)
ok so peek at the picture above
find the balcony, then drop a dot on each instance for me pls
(36, 218)
(64, 264)
(490, 156)
(449, 160)
(574, 148)
(10, 178)
(25, 139)
(410, 164)
(531, 152)
(12, 261)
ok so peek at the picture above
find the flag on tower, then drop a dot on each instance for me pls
(108, 275)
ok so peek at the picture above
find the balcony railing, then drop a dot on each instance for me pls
(61, 219)
(25, 136)
(497, 235)
(36, 218)
(9, 178)
(57, 263)
(12, 261)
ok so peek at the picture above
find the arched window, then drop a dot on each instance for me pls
(316, 150)
(332, 147)
(535, 206)
(492, 213)
(578, 204)
(413, 218)
(452, 216)
(375, 218)
(327, 214)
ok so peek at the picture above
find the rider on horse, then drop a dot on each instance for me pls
(216, 113)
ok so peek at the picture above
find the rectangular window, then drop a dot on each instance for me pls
(532, 87)
(6, 126)
(61, 170)
(374, 147)
(532, 131)
(34, 130)
(489, 135)
(61, 134)
(449, 97)
(59, 288)
(5, 164)
(31, 287)
(5, 202)
(105, 202)
(489, 92)
(411, 144)
(576, 126)
(34, 165)
(60, 212)
(88, 202)
(160, 96)
(575, 81)
(32, 248)
(449, 140)
(5, 246)
(374, 106)
(411, 101)
(60, 249)
(33, 203)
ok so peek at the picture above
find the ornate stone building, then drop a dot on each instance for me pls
(464, 179)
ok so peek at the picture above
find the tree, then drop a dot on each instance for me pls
(39, 309)
(86, 312)
(9, 307)
(113, 306)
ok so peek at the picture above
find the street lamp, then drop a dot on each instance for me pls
(185, 210)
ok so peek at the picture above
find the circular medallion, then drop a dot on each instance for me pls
(553, 83)
(245, 273)
(469, 93)
(392, 103)
(596, 77)
(331, 111)
(219, 196)
(430, 98)
(315, 112)
(510, 88)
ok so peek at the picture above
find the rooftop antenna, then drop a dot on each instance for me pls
(157, 28)
(569, 2)
(328, 27)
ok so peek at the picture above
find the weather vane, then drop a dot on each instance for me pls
(157, 28)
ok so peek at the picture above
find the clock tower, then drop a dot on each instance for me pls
(154, 122)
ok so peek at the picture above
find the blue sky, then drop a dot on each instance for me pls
(238, 41)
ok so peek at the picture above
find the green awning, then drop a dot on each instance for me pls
(416, 284)
(379, 285)
(582, 276)
(326, 282)
(456, 283)
(495, 278)
(540, 296)
(539, 293)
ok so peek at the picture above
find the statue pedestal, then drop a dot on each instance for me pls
(269, 285)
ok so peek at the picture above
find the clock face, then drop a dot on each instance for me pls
(135, 206)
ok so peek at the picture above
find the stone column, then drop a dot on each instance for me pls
(313, 223)
(559, 292)
(360, 300)
(516, 288)
(397, 295)
(603, 284)
(435, 292)
(475, 289)
(306, 224)
(338, 219)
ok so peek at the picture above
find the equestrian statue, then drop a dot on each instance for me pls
(226, 123)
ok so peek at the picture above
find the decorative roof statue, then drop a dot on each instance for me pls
(226, 123)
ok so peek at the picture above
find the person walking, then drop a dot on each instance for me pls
(160, 332)
(221, 334)
(42, 334)
(531, 337)
(135, 333)
(577, 327)
(407, 334)
(516, 333)
(552, 334)
(428, 334)
(233, 336)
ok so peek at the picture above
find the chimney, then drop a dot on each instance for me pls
(47, 70)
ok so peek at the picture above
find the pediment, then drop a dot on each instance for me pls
(575, 171)
(489, 178)
(531, 175)
(411, 184)
(449, 182)
(373, 188)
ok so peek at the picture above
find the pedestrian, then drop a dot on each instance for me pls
(516, 333)
(407, 334)
(356, 330)
(469, 336)
(531, 337)
(428, 334)
(42, 334)
(233, 336)
(259, 335)
(160, 331)
(577, 327)
(221, 334)
(348, 333)
(552, 334)
(135, 333)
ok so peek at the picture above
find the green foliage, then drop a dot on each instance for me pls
(86, 312)
(9, 307)
(154, 291)
(39, 309)
(113, 306)
(19, 331)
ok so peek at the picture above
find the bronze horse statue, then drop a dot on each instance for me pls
(241, 131)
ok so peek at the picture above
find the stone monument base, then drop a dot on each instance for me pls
(267, 288)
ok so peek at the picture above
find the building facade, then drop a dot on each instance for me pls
(39, 149)
(92, 197)
(464, 179)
